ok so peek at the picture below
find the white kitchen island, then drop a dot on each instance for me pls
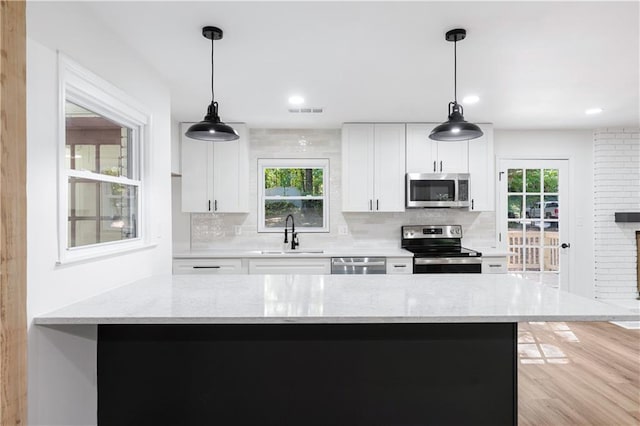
(316, 349)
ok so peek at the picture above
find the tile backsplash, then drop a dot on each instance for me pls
(210, 231)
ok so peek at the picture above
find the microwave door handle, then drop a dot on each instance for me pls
(456, 194)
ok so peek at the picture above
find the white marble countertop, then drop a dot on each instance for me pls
(492, 251)
(258, 299)
(300, 252)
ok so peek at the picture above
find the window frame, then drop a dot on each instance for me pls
(293, 163)
(87, 90)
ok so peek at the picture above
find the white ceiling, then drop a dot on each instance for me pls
(535, 65)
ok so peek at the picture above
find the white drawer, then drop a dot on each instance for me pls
(494, 265)
(290, 266)
(208, 266)
(399, 265)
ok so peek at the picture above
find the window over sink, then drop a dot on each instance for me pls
(293, 186)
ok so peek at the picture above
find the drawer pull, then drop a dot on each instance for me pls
(206, 267)
(399, 266)
(495, 266)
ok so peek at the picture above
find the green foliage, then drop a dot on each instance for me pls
(516, 176)
(307, 181)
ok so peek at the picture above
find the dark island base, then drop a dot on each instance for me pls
(307, 374)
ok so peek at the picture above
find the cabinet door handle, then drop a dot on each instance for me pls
(377, 204)
(206, 267)
(370, 204)
(440, 165)
(495, 266)
(471, 204)
(209, 205)
(399, 266)
(434, 166)
(215, 205)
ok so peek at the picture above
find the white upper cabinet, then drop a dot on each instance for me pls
(215, 175)
(482, 171)
(373, 167)
(453, 157)
(425, 155)
(175, 148)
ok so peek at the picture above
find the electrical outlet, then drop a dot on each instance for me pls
(343, 230)
(237, 230)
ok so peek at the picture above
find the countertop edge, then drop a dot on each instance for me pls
(49, 321)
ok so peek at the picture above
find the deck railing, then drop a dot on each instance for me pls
(525, 250)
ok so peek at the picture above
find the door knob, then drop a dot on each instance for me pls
(565, 245)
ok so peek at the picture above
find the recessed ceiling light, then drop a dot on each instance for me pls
(471, 99)
(592, 111)
(296, 100)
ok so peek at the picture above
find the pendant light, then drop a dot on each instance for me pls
(456, 128)
(211, 128)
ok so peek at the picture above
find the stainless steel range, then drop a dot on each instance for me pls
(438, 249)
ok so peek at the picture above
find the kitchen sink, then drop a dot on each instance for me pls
(292, 252)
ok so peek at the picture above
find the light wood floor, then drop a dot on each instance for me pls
(578, 374)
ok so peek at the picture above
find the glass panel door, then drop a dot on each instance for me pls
(531, 218)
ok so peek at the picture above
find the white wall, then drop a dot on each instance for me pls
(616, 189)
(62, 359)
(577, 147)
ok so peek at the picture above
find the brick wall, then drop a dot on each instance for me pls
(616, 189)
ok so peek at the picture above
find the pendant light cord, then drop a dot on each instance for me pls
(212, 97)
(455, 71)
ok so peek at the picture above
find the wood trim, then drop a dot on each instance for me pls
(13, 214)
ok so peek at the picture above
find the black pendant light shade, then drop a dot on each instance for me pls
(211, 128)
(456, 128)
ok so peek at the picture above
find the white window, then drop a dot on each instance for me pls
(297, 187)
(101, 169)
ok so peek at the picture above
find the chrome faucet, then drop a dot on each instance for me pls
(294, 234)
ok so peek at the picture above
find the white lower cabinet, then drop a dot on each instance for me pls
(290, 266)
(494, 264)
(209, 266)
(399, 265)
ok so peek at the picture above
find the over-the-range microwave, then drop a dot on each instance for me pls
(437, 190)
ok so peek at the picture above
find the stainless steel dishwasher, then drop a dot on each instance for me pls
(358, 265)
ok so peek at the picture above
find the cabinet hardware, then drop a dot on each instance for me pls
(209, 205)
(377, 204)
(370, 204)
(399, 266)
(434, 166)
(206, 267)
(472, 204)
(440, 165)
(495, 266)
(215, 205)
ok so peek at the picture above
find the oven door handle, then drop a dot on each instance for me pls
(447, 260)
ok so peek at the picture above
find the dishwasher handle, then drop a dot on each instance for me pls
(356, 263)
